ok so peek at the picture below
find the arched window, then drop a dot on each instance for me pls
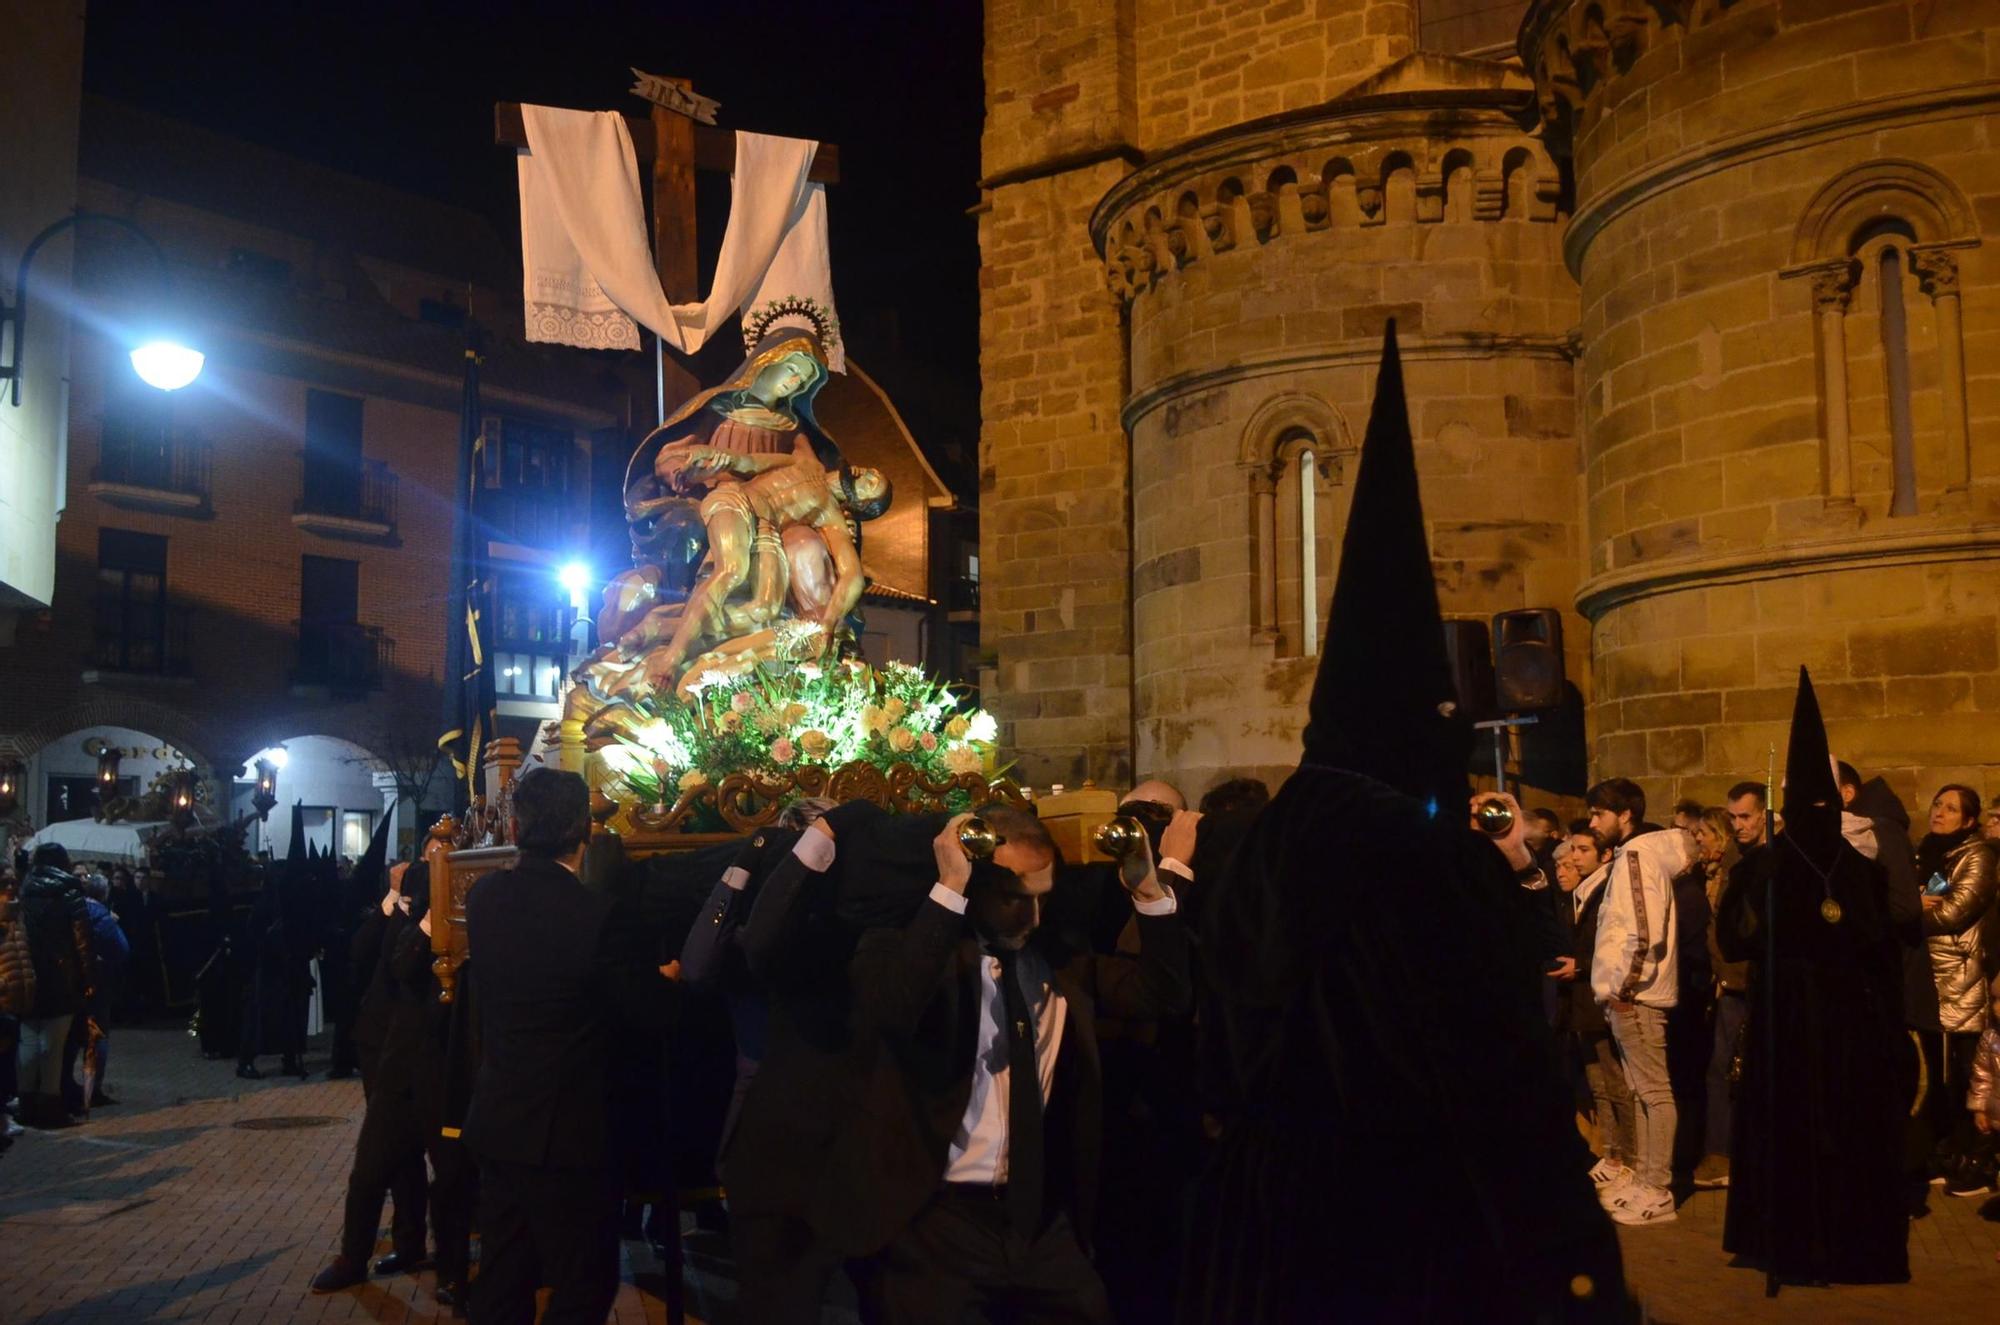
(1298, 457)
(1892, 386)
(1311, 516)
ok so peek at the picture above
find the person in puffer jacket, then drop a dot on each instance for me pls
(1982, 1102)
(1956, 870)
(58, 926)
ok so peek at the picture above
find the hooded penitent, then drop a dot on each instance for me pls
(1372, 1014)
(1815, 1189)
(1383, 703)
(371, 873)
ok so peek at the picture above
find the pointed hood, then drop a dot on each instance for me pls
(299, 850)
(1811, 798)
(1384, 704)
(371, 873)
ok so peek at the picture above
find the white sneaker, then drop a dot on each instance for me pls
(1638, 1204)
(1604, 1173)
(1620, 1183)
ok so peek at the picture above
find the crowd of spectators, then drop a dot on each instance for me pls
(1653, 1017)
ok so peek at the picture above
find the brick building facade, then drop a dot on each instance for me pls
(265, 555)
(1635, 263)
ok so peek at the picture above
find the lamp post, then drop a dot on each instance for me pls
(164, 364)
(577, 580)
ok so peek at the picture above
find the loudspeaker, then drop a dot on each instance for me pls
(1470, 652)
(1528, 659)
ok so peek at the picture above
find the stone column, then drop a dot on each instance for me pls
(1264, 513)
(1833, 289)
(1937, 269)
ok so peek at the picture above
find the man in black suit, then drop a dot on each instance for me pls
(392, 946)
(556, 977)
(969, 1178)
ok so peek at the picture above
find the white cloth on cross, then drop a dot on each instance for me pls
(588, 274)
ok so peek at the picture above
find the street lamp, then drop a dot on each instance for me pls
(165, 364)
(575, 577)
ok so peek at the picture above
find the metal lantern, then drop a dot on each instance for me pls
(107, 771)
(265, 798)
(181, 792)
(10, 786)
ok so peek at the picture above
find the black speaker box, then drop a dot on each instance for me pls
(1470, 652)
(1528, 660)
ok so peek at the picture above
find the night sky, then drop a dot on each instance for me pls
(404, 94)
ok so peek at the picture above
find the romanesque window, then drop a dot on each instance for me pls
(1874, 242)
(1298, 457)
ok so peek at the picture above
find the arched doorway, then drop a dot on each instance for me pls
(339, 791)
(62, 783)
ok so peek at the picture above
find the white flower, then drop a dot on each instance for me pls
(983, 728)
(963, 759)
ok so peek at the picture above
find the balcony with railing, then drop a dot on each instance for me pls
(170, 475)
(342, 660)
(346, 501)
(137, 641)
(530, 517)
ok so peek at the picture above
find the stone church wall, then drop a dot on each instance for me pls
(1742, 177)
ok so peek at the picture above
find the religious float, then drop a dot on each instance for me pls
(728, 680)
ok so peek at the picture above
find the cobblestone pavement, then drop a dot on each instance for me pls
(163, 1208)
(1682, 1274)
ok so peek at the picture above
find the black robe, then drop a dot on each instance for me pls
(1819, 1128)
(1373, 1040)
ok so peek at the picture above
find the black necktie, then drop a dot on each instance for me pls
(1024, 1103)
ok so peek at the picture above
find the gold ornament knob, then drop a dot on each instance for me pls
(977, 839)
(1494, 817)
(1119, 837)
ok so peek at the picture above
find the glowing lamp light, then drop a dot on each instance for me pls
(576, 578)
(166, 365)
(107, 769)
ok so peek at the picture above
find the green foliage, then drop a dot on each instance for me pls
(788, 714)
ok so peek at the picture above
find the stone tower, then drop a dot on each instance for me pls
(1789, 381)
(1637, 259)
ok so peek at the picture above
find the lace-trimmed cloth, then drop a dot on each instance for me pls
(588, 273)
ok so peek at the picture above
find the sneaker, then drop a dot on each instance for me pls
(1712, 1173)
(1970, 1185)
(1639, 1204)
(1604, 1173)
(1621, 1182)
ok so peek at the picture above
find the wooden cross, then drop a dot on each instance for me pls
(676, 147)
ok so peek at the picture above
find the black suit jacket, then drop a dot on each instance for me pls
(559, 974)
(916, 992)
(809, 1081)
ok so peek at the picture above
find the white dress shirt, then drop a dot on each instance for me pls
(978, 1151)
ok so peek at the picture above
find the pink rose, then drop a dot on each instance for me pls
(741, 701)
(928, 740)
(783, 751)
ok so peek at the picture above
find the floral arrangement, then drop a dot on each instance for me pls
(787, 714)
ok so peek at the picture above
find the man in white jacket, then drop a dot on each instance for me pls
(1634, 974)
